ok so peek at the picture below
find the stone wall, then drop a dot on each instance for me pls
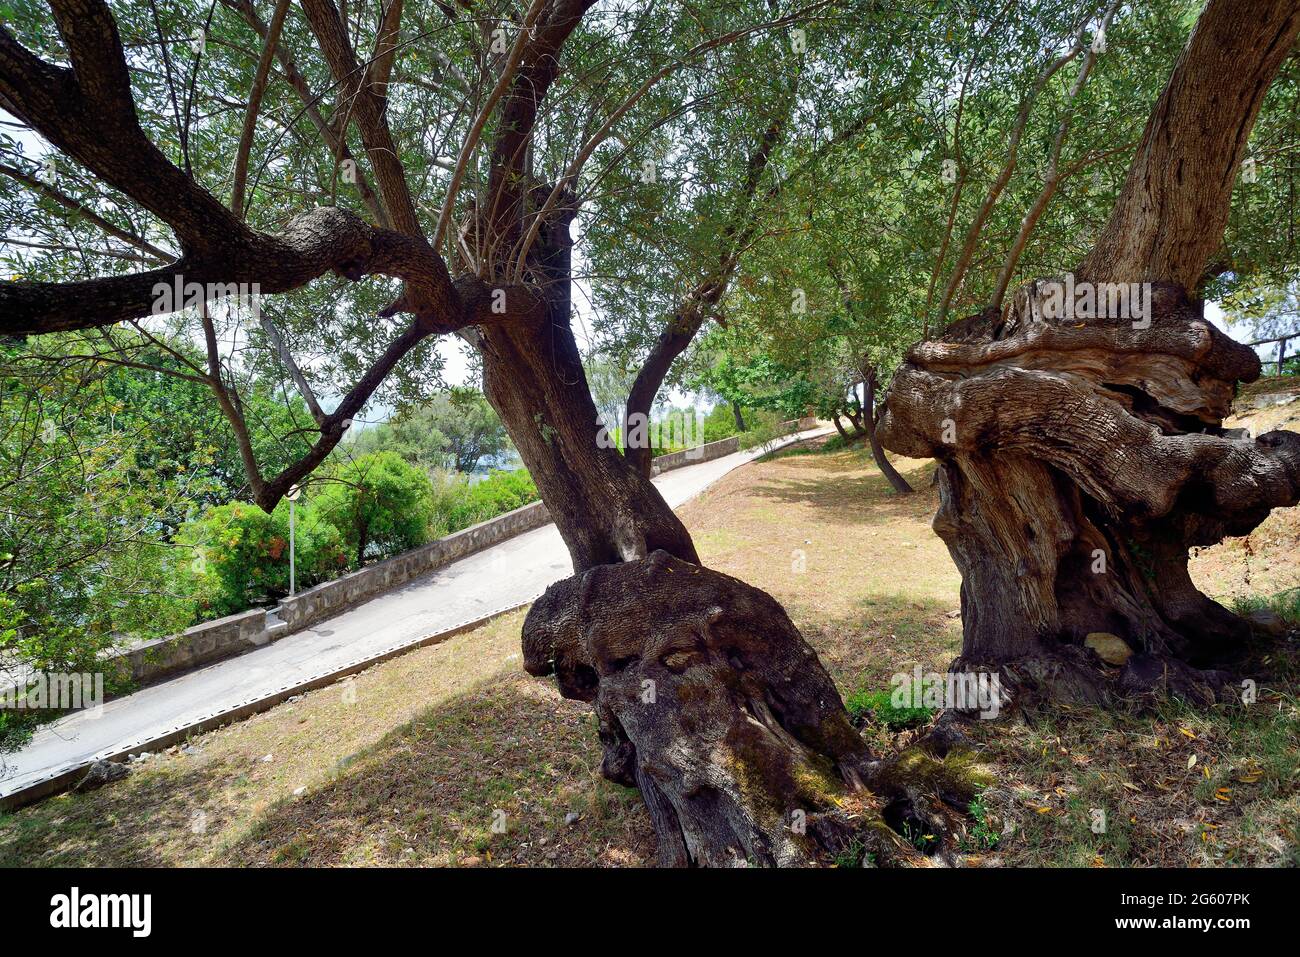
(199, 645)
(329, 598)
(701, 453)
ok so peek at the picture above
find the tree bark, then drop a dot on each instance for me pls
(839, 427)
(606, 511)
(707, 697)
(672, 342)
(739, 419)
(1078, 465)
(710, 701)
(1170, 215)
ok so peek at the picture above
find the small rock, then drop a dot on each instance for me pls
(1111, 649)
(955, 613)
(298, 792)
(267, 759)
(472, 860)
(1267, 622)
(572, 818)
(101, 773)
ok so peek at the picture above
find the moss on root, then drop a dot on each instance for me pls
(957, 777)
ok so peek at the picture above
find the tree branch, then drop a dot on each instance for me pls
(1172, 211)
(255, 104)
(1053, 177)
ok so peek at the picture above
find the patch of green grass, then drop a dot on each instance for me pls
(918, 837)
(878, 707)
(1285, 604)
(855, 856)
(982, 835)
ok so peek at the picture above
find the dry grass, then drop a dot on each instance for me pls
(858, 568)
(414, 761)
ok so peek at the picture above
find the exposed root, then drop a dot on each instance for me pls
(712, 704)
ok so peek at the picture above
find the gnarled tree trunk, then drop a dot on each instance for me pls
(710, 701)
(1081, 450)
(1078, 464)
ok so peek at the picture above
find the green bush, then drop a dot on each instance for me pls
(236, 556)
(720, 423)
(835, 443)
(460, 504)
(381, 505)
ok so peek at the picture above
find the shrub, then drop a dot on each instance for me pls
(764, 430)
(835, 443)
(720, 423)
(238, 556)
(380, 504)
(462, 504)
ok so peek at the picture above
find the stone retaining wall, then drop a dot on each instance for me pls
(203, 643)
(331, 597)
(213, 640)
(701, 453)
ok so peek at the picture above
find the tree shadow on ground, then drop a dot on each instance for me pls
(855, 497)
(889, 635)
(491, 777)
(159, 820)
(508, 752)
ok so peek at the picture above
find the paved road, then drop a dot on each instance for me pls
(504, 576)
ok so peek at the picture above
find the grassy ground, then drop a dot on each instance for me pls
(451, 755)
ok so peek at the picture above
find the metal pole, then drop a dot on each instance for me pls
(291, 548)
